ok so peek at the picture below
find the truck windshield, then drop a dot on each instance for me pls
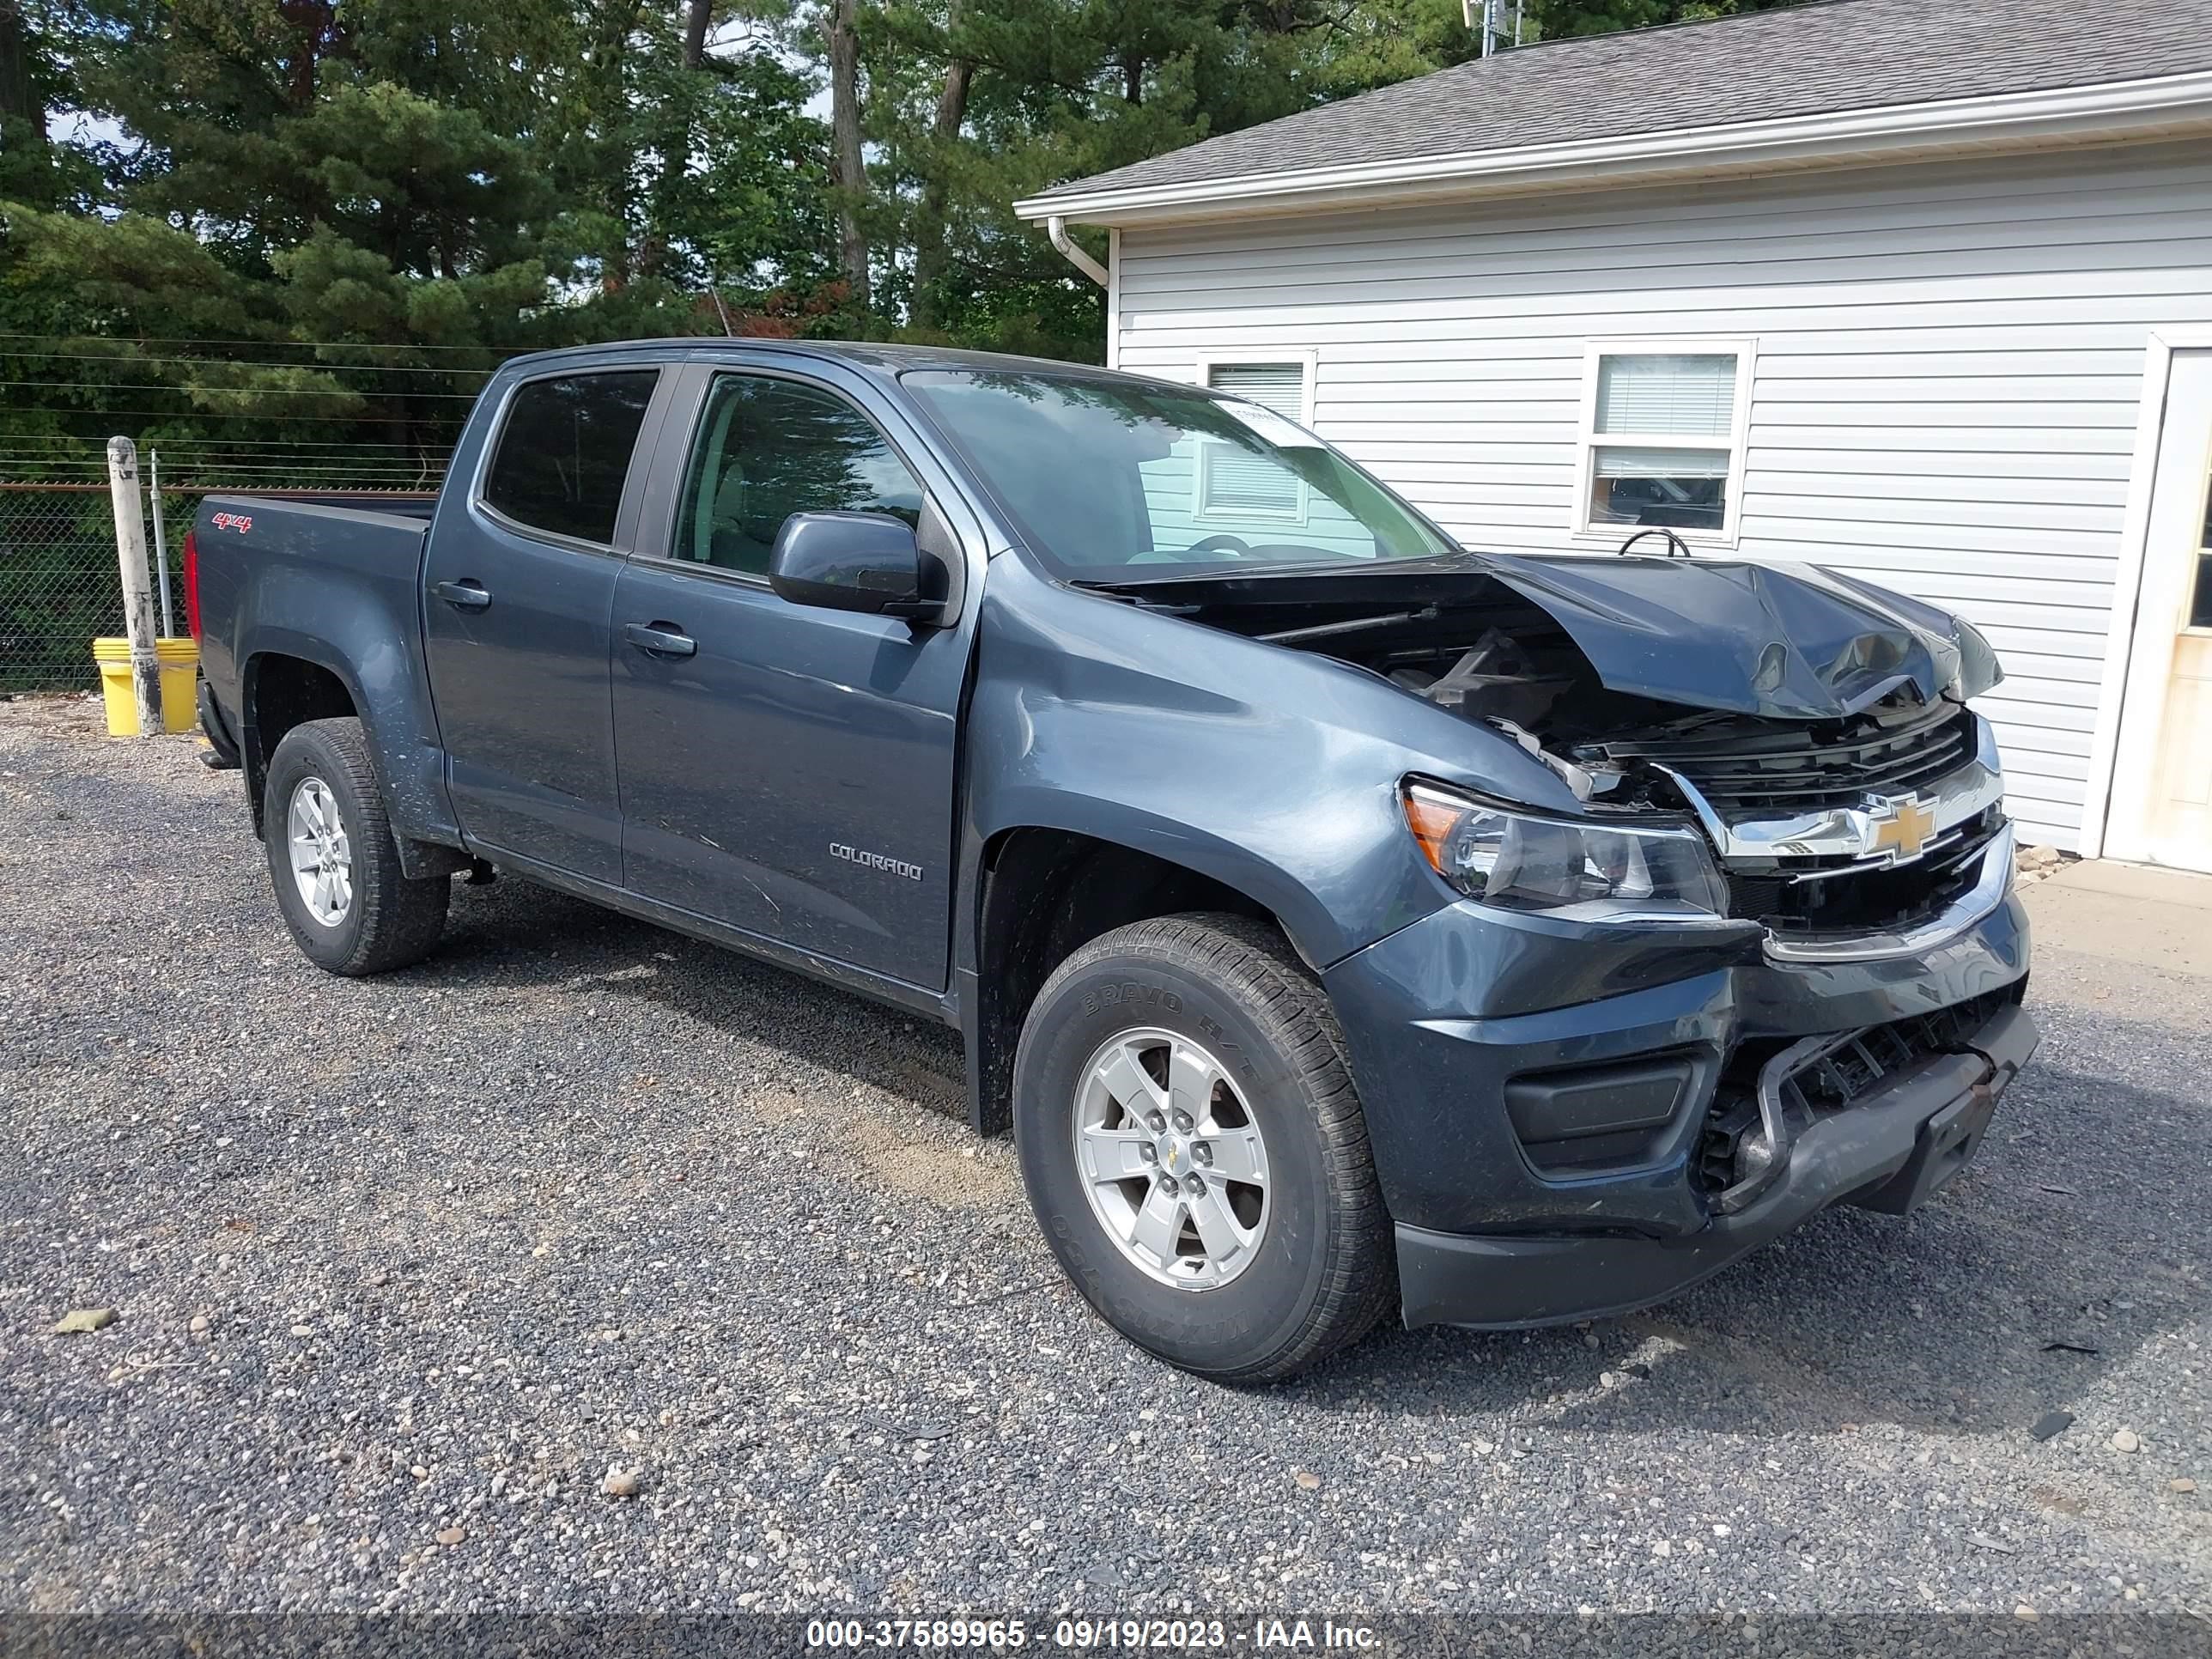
(1112, 481)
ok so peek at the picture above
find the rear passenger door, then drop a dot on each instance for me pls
(519, 584)
(789, 771)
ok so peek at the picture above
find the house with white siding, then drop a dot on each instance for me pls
(1920, 291)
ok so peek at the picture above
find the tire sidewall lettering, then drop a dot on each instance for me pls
(1131, 993)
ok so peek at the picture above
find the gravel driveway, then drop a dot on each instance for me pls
(401, 1268)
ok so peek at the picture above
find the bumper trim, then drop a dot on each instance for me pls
(1890, 1151)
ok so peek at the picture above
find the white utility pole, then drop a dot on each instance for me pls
(160, 541)
(138, 593)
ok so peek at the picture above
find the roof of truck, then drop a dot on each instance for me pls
(879, 358)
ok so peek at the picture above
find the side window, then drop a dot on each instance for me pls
(565, 450)
(768, 449)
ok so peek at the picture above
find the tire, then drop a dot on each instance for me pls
(1227, 990)
(387, 921)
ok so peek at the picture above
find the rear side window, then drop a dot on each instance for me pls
(565, 451)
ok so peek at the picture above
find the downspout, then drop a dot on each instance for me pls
(1056, 227)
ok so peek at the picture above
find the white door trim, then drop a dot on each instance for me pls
(2127, 585)
(1114, 298)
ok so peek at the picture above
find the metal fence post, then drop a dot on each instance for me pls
(138, 595)
(160, 541)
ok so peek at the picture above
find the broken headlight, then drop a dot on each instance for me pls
(1572, 868)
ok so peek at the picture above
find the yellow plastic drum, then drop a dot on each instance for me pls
(180, 663)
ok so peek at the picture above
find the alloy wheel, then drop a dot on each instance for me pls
(1171, 1158)
(322, 856)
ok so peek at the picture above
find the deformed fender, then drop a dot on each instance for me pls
(1273, 772)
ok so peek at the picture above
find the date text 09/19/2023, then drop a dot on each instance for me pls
(1083, 1635)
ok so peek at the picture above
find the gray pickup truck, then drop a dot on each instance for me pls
(1337, 918)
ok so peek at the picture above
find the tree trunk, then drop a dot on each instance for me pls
(609, 52)
(318, 37)
(848, 172)
(676, 158)
(929, 249)
(17, 101)
(695, 32)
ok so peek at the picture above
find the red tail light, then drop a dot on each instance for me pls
(192, 584)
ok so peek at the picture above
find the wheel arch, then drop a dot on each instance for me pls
(278, 690)
(289, 683)
(1042, 893)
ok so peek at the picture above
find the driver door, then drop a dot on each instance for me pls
(785, 769)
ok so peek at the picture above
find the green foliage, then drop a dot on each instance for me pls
(1555, 19)
(274, 222)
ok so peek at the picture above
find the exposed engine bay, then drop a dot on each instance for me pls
(1788, 740)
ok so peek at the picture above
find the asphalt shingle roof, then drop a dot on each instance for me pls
(1817, 60)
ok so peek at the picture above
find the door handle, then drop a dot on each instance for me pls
(463, 595)
(661, 638)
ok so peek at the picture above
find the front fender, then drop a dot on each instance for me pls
(1272, 771)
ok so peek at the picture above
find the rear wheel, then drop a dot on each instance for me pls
(332, 860)
(1195, 1152)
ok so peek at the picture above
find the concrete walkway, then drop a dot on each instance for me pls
(2126, 913)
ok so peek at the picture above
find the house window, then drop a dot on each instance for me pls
(1234, 484)
(1662, 438)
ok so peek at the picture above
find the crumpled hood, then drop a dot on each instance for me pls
(1781, 642)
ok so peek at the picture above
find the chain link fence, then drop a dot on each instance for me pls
(59, 583)
(60, 588)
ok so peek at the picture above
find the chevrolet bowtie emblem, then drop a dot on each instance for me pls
(1900, 827)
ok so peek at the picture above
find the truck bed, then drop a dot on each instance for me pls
(336, 585)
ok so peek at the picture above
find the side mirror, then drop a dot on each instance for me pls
(865, 562)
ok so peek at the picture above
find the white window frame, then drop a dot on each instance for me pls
(1309, 362)
(1589, 440)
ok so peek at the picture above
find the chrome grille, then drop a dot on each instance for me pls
(1786, 771)
(1797, 812)
(1822, 897)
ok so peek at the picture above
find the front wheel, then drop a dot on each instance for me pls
(332, 860)
(1195, 1152)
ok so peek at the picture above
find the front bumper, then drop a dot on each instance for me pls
(1891, 1151)
(1450, 1022)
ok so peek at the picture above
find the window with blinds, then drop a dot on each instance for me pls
(1281, 386)
(1231, 482)
(1663, 447)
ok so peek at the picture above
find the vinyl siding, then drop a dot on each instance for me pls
(1948, 367)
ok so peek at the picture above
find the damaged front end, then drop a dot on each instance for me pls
(1754, 957)
(1815, 730)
